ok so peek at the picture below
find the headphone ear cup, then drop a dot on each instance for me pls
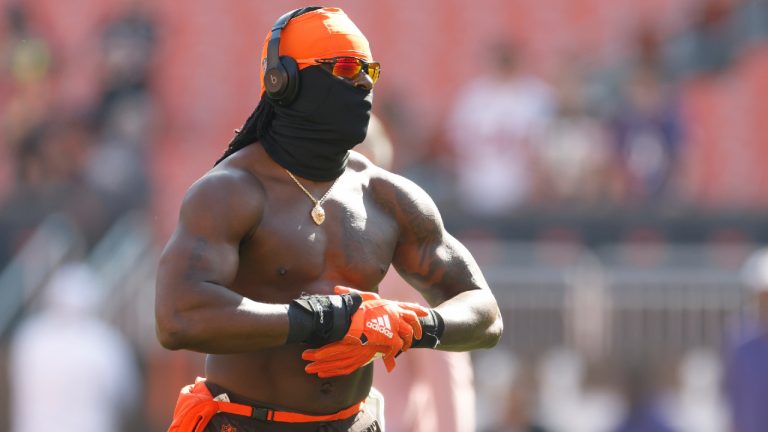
(291, 88)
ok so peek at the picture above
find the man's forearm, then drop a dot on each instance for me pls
(472, 320)
(215, 320)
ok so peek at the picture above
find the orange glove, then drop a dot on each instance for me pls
(379, 327)
(342, 358)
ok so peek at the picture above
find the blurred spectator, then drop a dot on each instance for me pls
(751, 22)
(429, 390)
(647, 137)
(495, 374)
(496, 123)
(636, 98)
(118, 165)
(746, 376)
(569, 401)
(33, 197)
(714, 37)
(92, 167)
(647, 50)
(26, 56)
(699, 404)
(644, 413)
(25, 71)
(574, 153)
(128, 44)
(69, 370)
(49, 162)
(708, 46)
(506, 393)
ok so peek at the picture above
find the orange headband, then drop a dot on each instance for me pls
(322, 33)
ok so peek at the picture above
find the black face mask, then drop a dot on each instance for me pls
(312, 136)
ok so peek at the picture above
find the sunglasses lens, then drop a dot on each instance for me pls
(373, 71)
(347, 67)
(350, 67)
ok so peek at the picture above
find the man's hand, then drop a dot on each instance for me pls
(379, 321)
(379, 327)
(342, 358)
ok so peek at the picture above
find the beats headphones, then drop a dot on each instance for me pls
(281, 73)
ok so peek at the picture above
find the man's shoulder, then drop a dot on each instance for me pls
(377, 177)
(247, 167)
(360, 163)
(226, 179)
(398, 195)
(228, 189)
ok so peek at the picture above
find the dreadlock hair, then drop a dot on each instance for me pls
(253, 129)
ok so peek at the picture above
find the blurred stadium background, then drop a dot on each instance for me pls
(611, 205)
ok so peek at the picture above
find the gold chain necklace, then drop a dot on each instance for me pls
(317, 213)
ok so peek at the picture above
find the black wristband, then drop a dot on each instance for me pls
(432, 328)
(320, 319)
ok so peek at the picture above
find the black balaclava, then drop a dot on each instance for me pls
(312, 136)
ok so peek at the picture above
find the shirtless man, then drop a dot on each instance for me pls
(267, 241)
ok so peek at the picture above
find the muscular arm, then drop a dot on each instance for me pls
(444, 271)
(194, 307)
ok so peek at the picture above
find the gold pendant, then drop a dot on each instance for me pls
(318, 214)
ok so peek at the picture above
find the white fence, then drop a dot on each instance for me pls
(614, 301)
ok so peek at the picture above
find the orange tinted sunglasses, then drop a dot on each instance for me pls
(348, 67)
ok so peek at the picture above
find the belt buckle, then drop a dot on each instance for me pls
(261, 413)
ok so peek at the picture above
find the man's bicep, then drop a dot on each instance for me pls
(438, 268)
(205, 245)
(192, 260)
(427, 256)
(192, 257)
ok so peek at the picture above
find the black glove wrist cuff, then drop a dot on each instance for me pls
(320, 319)
(432, 328)
(301, 322)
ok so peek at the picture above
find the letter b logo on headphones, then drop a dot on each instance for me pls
(274, 83)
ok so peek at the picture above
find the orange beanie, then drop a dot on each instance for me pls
(321, 33)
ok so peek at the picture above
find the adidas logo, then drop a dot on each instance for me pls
(381, 325)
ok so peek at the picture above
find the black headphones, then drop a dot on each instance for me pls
(281, 73)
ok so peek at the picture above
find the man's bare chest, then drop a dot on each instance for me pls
(290, 253)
